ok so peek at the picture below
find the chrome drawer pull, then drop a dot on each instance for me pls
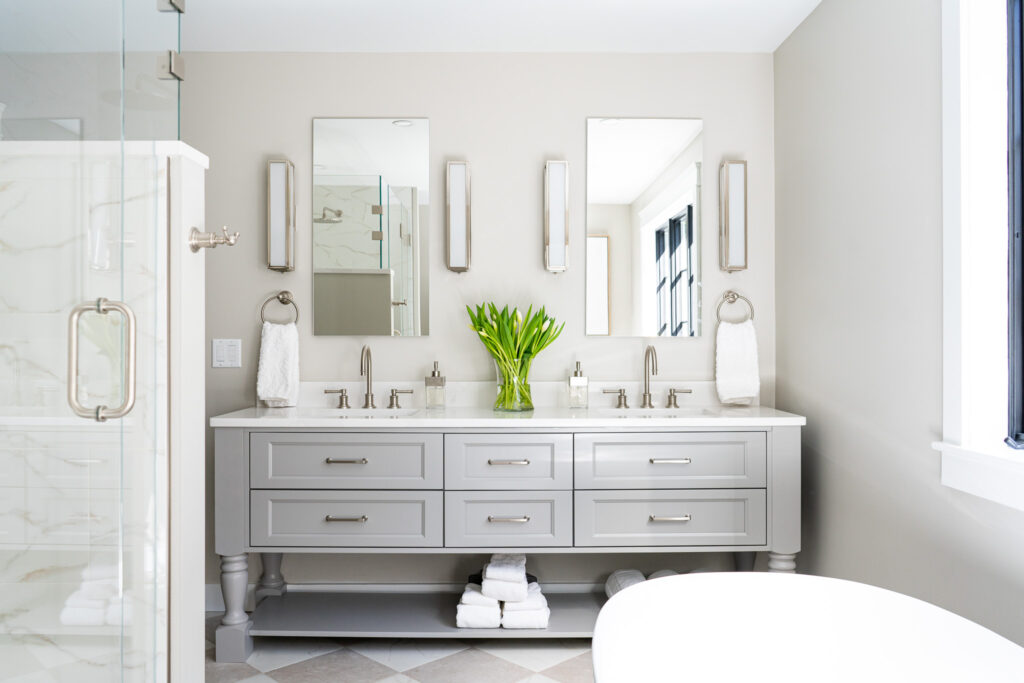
(508, 462)
(656, 518)
(514, 520)
(332, 518)
(336, 461)
(670, 461)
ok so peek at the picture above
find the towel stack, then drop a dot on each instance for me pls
(505, 596)
(96, 601)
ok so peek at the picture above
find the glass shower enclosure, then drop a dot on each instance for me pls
(83, 422)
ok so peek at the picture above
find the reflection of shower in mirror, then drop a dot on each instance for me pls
(324, 218)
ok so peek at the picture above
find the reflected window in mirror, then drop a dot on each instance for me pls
(644, 202)
(369, 213)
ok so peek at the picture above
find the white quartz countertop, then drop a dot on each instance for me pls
(466, 418)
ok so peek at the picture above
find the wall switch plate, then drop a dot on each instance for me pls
(227, 353)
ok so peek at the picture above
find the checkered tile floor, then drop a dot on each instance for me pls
(320, 660)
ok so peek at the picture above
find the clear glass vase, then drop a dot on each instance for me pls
(513, 387)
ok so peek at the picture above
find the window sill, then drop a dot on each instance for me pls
(996, 474)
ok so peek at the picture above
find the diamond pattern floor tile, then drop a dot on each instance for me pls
(341, 666)
(404, 654)
(469, 666)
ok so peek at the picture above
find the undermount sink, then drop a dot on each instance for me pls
(362, 413)
(652, 412)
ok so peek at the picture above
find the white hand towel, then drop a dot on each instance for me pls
(99, 589)
(277, 377)
(505, 567)
(736, 372)
(82, 616)
(620, 579)
(80, 599)
(472, 596)
(534, 618)
(512, 591)
(477, 616)
(535, 600)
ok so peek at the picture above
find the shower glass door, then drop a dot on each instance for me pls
(83, 527)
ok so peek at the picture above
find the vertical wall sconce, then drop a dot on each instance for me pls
(556, 216)
(732, 215)
(458, 208)
(280, 215)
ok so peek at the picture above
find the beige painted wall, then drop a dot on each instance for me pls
(858, 287)
(506, 114)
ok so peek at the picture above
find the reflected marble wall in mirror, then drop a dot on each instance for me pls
(370, 209)
(644, 202)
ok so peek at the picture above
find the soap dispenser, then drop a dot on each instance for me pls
(435, 388)
(579, 389)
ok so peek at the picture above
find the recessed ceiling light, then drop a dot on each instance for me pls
(402, 123)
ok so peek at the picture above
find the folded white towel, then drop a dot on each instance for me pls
(98, 571)
(82, 616)
(477, 616)
(115, 615)
(99, 589)
(505, 567)
(80, 599)
(512, 591)
(532, 618)
(277, 376)
(736, 372)
(622, 578)
(472, 596)
(535, 600)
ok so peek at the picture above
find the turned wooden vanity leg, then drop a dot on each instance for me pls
(234, 644)
(271, 580)
(744, 561)
(781, 562)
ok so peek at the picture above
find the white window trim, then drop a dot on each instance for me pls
(993, 471)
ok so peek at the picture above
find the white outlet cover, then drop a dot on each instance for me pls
(227, 353)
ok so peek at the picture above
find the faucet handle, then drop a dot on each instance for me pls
(342, 396)
(621, 402)
(393, 403)
(672, 395)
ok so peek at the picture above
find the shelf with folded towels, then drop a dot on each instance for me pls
(407, 615)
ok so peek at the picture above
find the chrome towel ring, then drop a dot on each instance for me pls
(731, 297)
(285, 297)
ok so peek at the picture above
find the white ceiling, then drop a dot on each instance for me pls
(624, 156)
(662, 26)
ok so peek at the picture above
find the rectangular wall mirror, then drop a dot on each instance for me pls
(371, 194)
(644, 199)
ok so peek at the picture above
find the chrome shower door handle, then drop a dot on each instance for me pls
(102, 413)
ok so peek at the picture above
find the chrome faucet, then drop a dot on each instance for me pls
(650, 368)
(366, 368)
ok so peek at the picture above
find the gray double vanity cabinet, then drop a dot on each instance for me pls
(473, 482)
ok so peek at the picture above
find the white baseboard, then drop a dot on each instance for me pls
(215, 599)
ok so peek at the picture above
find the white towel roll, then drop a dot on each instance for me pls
(277, 376)
(535, 600)
(477, 616)
(534, 618)
(506, 567)
(472, 596)
(661, 573)
(622, 578)
(736, 372)
(512, 591)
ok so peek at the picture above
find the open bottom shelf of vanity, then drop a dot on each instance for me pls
(407, 615)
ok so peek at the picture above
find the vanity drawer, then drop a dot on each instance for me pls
(698, 460)
(507, 461)
(345, 461)
(670, 518)
(379, 519)
(497, 519)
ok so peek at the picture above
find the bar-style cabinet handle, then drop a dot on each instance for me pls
(508, 462)
(332, 518)
(353, 461)
(670, 461)
(656, 518)
(512, 520)
(103, 307)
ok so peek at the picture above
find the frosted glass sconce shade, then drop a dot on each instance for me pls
(556, 216)
(458, 208)
(732, 215)
(280, 215)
